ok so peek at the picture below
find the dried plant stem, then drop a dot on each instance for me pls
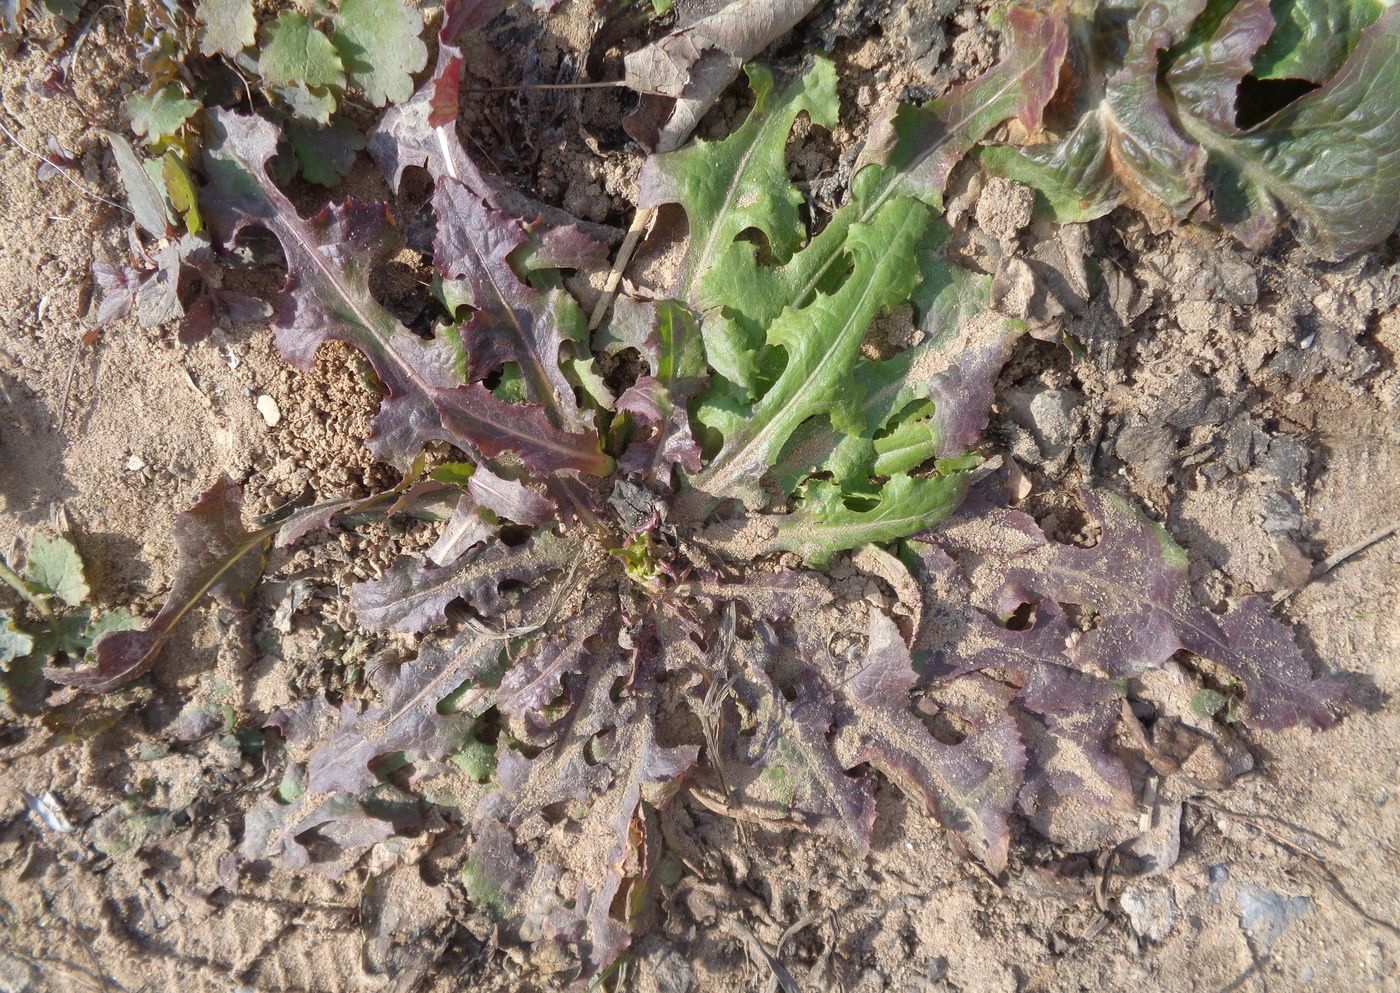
(1318, 864)
(624, 255)
(69, 179)
(599, 85)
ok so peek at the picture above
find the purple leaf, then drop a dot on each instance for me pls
(118, 285)
(512, 322)
(534, 682)
(413, 596)
(408, 719)
(215, 557)
(792, 768)
(1206, 77)
(329, 832)
(970, 787)
(327, 297)
(466, 529)
(672, 348)
(56, 160)
(605, 764)
(510, 499)
(1135, 578)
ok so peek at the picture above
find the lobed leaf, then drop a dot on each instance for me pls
(1135, 580)
(378, 43)
(226, 26)
(511, 322)
(792, 770)
(820, 342)
(160, 114)
(327, 297)
(970, 787)
(413, 596)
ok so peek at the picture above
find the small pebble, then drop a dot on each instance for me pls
(268, 408)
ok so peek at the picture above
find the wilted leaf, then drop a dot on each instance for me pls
(216, 557)
(408, 719)
(605, 764)
(680, 75)
(329, 832)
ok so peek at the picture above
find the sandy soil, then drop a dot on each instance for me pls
(1249, 403)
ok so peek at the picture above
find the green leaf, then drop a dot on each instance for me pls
(1207, 703)
(1071, 178)
(120, 619)
(66, 9)
(56, 570)
(1314, 37)
(453, 473)
(160, 115)
(1330, 160)
(324, 154)
(379, 44)
(179, 184)
(820, 342)
(14, 643)
(309, 103)
(740, 183)
(226, 26)
(824, 522)
(295, 54)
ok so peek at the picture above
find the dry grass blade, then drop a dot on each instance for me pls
(1317, 865)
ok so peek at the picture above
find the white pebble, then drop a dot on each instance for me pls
(268, 408)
